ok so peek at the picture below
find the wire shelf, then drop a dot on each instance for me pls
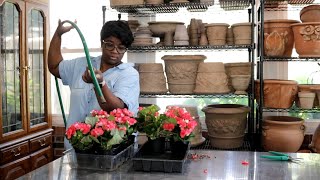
(298, 110)
(306, 59)
(166, 48)
(207, 146)
(167, 95)
(230, 5)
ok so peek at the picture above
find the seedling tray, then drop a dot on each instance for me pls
(99, 162)
(167, 162)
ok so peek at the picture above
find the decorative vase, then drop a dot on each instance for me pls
(226, 124)
(307, 39)
(282, 27)
(282, 133)
(240, 83)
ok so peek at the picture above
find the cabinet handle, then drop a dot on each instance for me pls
(42, 143)
(26, 68)
(16, 153)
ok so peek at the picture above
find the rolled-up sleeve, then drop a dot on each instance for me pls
(127, 88)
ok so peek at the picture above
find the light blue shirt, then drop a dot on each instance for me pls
(122, 80)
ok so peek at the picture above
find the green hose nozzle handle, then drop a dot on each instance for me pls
(95, 81)
(85, 47)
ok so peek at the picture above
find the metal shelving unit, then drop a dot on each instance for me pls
(216, 6)
(277, 5)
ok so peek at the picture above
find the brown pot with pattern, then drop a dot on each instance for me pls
(226, 124)
(307, 39)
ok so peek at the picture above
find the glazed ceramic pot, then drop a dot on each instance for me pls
(283, 30)
(282, 133)
(307, 39)
(226, 124)
(310, 13)
(277, 93)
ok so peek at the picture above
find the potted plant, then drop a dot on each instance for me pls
(102, 131)
(175, 124)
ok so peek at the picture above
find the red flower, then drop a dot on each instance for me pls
(168, 126)
(96, 132)
(70, 131)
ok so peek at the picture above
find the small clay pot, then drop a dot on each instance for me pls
(310, 13)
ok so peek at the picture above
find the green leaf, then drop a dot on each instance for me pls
(94, 139)
(116, 139)
(86, 140)
(91, 120)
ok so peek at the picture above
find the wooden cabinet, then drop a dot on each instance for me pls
(25, 117)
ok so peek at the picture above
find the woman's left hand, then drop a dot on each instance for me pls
(87, 77)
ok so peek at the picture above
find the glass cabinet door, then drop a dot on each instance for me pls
(10, 69)
(36, 68)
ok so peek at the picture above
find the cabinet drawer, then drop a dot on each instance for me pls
(14, 152)
(15, 169)
(40, 158)
(40, 142)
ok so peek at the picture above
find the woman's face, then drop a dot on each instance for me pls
(112, 51)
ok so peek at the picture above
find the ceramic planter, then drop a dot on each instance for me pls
(277, 93)
(226, 124)
(310, 13)
(282, 133)
(279, 39)
(152, 79)
(181, 71)
(307, 39)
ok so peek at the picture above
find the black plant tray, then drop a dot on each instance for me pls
(104, 162)
(167, 162)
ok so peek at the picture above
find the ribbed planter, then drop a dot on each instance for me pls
(226, 124)
(152, 79)
(211, 78)
(181, 71)
(242, 33)
(282, 133)
(237, 68)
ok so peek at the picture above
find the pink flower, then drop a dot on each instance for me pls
(96, 132)
(122, 128)
(106, 124)
(168, 126)
(70, 131)
(132, 121)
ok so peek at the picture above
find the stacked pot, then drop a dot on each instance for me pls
(306, 34)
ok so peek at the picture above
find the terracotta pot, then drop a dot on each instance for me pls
(217, 33)
(282, 133)
(181, 71)
(277, 93)
(306, 99)
(315, 142)
(282, 27)
(238, 68)
(242, 33)
(163, 28)
(309, 88)
(307, 39)
(226, 124)
(310, 13)
(211, 78)
(152, 79)
(240, 83)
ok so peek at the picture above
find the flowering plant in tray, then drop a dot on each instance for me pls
(102, 130)
(175, 123)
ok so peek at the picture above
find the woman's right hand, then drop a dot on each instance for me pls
(61, 29)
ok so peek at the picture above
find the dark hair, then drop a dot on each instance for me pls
(118, 29)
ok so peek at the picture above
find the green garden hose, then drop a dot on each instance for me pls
(95, 81)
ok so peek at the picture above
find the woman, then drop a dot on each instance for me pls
(119, 81)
